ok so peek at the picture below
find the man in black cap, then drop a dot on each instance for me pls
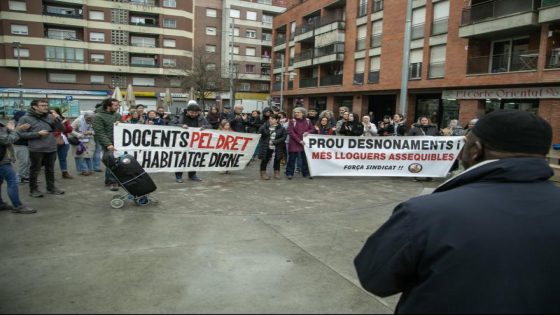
(485, 241)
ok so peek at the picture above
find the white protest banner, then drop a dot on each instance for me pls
(381, 156)
(175, 149)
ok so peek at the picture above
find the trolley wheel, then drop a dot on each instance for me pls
(142, 201)
(117, 203)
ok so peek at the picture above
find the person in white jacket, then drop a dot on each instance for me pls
(370, 130)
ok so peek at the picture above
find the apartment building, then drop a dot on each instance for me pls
(466, 58)
(77, 52)
(237, 36)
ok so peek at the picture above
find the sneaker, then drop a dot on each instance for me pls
(195, 179)
(98, 171)
(114, 187)
(24, 210)
(290, 177)
(5, 206)
(24, 180)
(179, 180)
(55, 191)
(36, 194)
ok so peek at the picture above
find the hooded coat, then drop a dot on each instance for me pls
(485, 241)
(38, 122)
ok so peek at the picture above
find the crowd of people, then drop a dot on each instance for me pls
(43, 135)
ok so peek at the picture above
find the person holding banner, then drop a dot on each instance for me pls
(370, 130)
(298, 127)
(272, 143)
(483, 242)
(191, 117)
(324, 128)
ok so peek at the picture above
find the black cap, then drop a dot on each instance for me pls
(193, 107)
(515, 131)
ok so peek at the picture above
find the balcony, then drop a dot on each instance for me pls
(150, 3)
(335, 79)
(280, 39)
(373, 77)
(330, 22)
(377, 6)
(358, 78)
(329, 53)
(304, 59)
(276, 86)
(307, 82)
(56, 33)
(148, 62)
(62, 11)
(501, 63)
(144, 21)
(440, 26)
(498, 16)
(549, 11)
(375, 40)
(437, 70)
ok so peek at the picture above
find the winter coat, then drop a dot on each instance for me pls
(351, 129)
(254, 124)
(484, 242)
(87, 141)
(400, 130)
(7, 139)
(324, 131)
(237, 123)
(296, 129)
(214, 120)
(103, 123)
(429, 130)
(38, 122)
(197, 122)
(279, 142)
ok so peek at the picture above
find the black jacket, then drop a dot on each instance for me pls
(487, 241)
(279, 141)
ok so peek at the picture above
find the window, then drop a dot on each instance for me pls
(251, 15)
(169, 23)
(17, 6)
(61, 34)
(143, 81)
(251, 34)
(250, 51)
(376, 34)
(96, 37)
(64, 54)
(62, 77)
(418, 21)
(171, 43)
(211, 13)
(415, 67)
(175, 82)
(512, 55)
(97, 79)
(23, 52)
(211, 48)
(97, 58)
(142, 41)
(441, 16)
(170, 3)
(210, 31)
(374, 65)
(244, 86)
(20, 29)
(168, 62)
(142, 61)
(236, 31)
(210, 66)
(96, 15)
(267, 19)
(234, 13)
(437, 62)
(361, 42)
(360, 65)
(249, 68)
(236, 50)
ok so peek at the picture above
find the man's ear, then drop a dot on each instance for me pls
(478, 152)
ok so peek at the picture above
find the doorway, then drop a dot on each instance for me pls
(381, 105)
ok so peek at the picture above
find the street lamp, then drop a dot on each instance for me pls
(19, 83)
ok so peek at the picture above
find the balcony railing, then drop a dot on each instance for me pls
(375, 40)
(307, 82)
(277, 63)
(415, 71)
(440, 26)
(549, 3)
(373, 77)
(150, 3)
(337, 16)
(336, 48)
(495, 9)
(437, 70)
(279, 40)
(75, 13)
(307, 27)
(500, 63)
(304, 55)
(417, 31)
(335, 79)
(358, 78)
(377, 5)
(362, 10)
(360, 44)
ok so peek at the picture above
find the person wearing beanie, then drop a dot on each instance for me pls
(485, 241)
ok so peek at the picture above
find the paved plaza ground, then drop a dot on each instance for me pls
(230, 244)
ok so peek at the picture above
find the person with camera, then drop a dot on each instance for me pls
(42, 144)
(238, 120)
(191, 118)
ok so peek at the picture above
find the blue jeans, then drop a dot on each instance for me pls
(84, 164)
(62, 155)
(298, 157)
(8, 174)
(97, 156)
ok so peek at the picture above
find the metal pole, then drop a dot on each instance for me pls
(231, 96)
(20, 83)
(406, 59)
(282, 83)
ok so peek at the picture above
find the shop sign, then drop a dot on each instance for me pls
(505, 93)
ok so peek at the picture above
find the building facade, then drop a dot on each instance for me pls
(466, 58)
(77, 52)
(237, 36)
